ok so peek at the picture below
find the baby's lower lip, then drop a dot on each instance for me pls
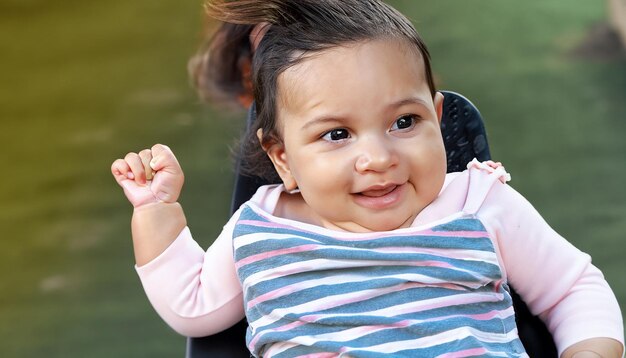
(380, 199)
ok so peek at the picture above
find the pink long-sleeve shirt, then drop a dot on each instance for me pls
(198, 293)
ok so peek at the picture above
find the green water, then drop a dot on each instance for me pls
(82, 83)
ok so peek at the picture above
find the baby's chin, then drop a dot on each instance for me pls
(389, 225)
(372, 225)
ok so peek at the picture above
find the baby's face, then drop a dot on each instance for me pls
(361, 136)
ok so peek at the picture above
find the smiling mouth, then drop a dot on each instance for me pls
(380, 197)
(375, 193)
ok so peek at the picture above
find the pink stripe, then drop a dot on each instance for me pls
(283, 291)
(478, 317)
(319, 355)
(465, 234)
(279, 329)
(306, 266)
(451, 301)
(362, 331)
(372, 294)
(297, 269)
(465, 353)
(484, 316)
(273, 294)
(463, 254)
(272, 225)
(430, 263)
(370, 236)
(266, 255)
(406, 323)
(354, 331)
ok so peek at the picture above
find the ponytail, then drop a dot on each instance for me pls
(221, 70)
(252, 12)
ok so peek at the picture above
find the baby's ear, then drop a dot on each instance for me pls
(438, 101)
(276, 152)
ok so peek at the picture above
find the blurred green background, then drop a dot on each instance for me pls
(84, 82)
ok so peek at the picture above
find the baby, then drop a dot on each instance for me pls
(367, 248)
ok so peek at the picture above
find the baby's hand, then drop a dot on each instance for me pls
(151, 176)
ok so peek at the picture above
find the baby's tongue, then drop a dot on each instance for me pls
(379, 192)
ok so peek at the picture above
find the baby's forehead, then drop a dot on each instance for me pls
(334, 67)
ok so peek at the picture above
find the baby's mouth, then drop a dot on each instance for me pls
(375, 192)
(380, 197)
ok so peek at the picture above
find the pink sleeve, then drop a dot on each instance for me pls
(197, 293)
(556, 280)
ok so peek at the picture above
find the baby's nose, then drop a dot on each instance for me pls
(375, 155)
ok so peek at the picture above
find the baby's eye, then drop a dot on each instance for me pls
(336, 135)
(404, 122)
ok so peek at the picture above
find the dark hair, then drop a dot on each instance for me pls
(298, 28)
(221, 70)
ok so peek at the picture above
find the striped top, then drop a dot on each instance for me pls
(414, 292)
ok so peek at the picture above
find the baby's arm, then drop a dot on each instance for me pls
(555, 279)
(196, 293)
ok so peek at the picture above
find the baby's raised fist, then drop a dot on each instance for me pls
(152, 175)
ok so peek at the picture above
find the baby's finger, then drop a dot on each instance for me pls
(136, 166)
(146, 156)
(120, 170)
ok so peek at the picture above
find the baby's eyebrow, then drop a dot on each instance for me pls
(408, 100)
(324, 119)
